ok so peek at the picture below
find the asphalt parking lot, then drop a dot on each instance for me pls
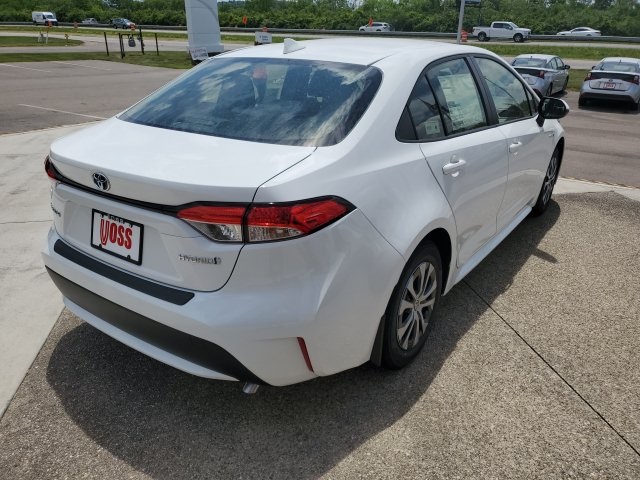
(532, 370)
(46, 94)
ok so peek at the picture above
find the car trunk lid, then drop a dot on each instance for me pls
(612, 80)
(151, 173)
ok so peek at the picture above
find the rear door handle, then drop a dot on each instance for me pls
(454, 167)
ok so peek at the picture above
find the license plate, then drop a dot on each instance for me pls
(608, 85)
(117, 236)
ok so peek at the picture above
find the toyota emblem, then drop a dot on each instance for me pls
(101, 181)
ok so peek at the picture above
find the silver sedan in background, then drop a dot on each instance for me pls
(580, 32)
(614, 79)
(547, 74)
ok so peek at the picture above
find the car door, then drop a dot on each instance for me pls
(560, 75)
(466, 156)
(529, 145)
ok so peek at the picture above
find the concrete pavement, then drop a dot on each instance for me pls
(532, 370)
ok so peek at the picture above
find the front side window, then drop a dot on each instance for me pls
(507, 92)
(287, 102)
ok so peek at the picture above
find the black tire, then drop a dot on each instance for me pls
(550, 179)
(566, 82)
(549, 91)
(409, 315)
(482, 37)
(581, 102)
(518, 38)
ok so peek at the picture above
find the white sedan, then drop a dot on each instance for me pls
(376, 27)
(284, 212)
(580, 32)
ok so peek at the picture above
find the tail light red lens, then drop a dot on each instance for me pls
(277, 222)
(265, 222)
(588, 77)
(636, 79)
(222, 223)
(52, 173)
(541, 73)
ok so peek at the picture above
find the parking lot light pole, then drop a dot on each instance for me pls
(461, 16)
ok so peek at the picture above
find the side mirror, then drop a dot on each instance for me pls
(567, 67)
(552, 109)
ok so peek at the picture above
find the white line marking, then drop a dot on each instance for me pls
(61, 111)
(26, 68)
(83, 66)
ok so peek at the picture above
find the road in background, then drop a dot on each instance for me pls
(603, 144)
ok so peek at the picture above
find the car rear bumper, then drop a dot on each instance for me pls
(619, 96)
(329, 290)
(103, 313)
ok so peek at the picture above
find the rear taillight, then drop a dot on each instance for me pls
(52, 173)
(222, 223)
(541, 73)
(588, 77)
(636, 79)
(276, 222)
(264, 222)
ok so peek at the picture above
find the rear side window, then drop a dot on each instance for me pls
(423, 121)
(444, 101)
(287, 102)
(458, 96)
(507, 92)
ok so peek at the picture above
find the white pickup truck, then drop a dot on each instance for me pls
(501, 30)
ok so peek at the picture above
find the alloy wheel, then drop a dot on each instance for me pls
(416, 306)
(550, 178)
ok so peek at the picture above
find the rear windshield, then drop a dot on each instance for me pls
(287, 102)
(529, 62)
(618, 67)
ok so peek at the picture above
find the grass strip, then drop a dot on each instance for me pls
(24, 41)
(165, 59)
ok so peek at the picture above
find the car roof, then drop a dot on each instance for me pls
(359, 51)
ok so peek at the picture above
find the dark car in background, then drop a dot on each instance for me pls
(122, 23)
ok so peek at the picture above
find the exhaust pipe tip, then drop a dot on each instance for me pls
(250, 388)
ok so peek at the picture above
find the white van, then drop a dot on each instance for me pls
(44, 18)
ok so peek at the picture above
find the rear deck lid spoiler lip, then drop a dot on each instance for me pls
(156, 207)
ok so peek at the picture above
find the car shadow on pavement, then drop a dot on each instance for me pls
(171, 425)
(610, 107)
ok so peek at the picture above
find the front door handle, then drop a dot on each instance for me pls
(514, 147)
(453, 168)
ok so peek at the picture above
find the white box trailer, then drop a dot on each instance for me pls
(44, 18)
(203, 26)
